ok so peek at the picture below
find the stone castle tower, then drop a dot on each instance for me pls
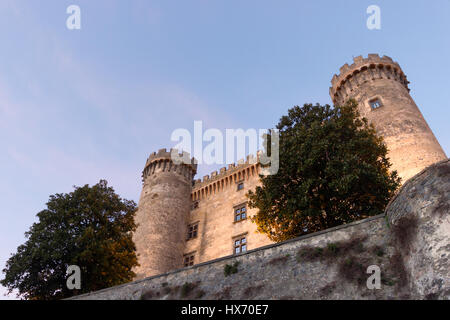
(164, 207)
(182, 222)
(381, 89)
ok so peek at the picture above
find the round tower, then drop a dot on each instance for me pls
(381, 89)
(162, 214)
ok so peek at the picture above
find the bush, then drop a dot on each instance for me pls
(231, 269)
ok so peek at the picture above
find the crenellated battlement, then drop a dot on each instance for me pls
(226, 176)
(162, 161)
(225, 171)
(363, 70)
(164, 154)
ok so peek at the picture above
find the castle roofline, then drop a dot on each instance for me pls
(227, 171)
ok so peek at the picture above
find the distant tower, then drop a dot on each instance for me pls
(162, 214)
(381, 89)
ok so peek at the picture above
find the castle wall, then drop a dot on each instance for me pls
(412, 255)
(272, 272)
(184, 222)
(424, 203)
(217, 197)
(166, 212)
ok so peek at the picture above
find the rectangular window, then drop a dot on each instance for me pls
(189, 260)
(194, 205)
(240, 186)
(192, 231)
(240, 245)
(240, 213)
(375, 103)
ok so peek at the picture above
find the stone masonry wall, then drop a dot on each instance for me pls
(217, 228)
(409, 243)
(421, 215)
(277, 271)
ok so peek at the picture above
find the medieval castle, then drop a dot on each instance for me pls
(183, 222)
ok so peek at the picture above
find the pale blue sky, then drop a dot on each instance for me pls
(79, 106)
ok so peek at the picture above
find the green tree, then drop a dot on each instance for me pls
(90, 227)
(333, 170)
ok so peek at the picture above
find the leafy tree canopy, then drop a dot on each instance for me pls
(333, 170)
(90, 227)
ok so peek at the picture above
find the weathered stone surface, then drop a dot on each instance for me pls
(420, 213)
(410, 244)
(277, 271)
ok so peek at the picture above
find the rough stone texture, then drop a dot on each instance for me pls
(421, 214)
(411, 143)
(272, 272)
(410, 244)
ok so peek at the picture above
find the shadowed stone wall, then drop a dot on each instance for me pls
(420, 214)
(272, 272)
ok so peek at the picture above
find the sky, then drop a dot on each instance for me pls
(81, 105)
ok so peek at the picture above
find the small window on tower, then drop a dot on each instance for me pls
(375, 103)
(240, 186)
